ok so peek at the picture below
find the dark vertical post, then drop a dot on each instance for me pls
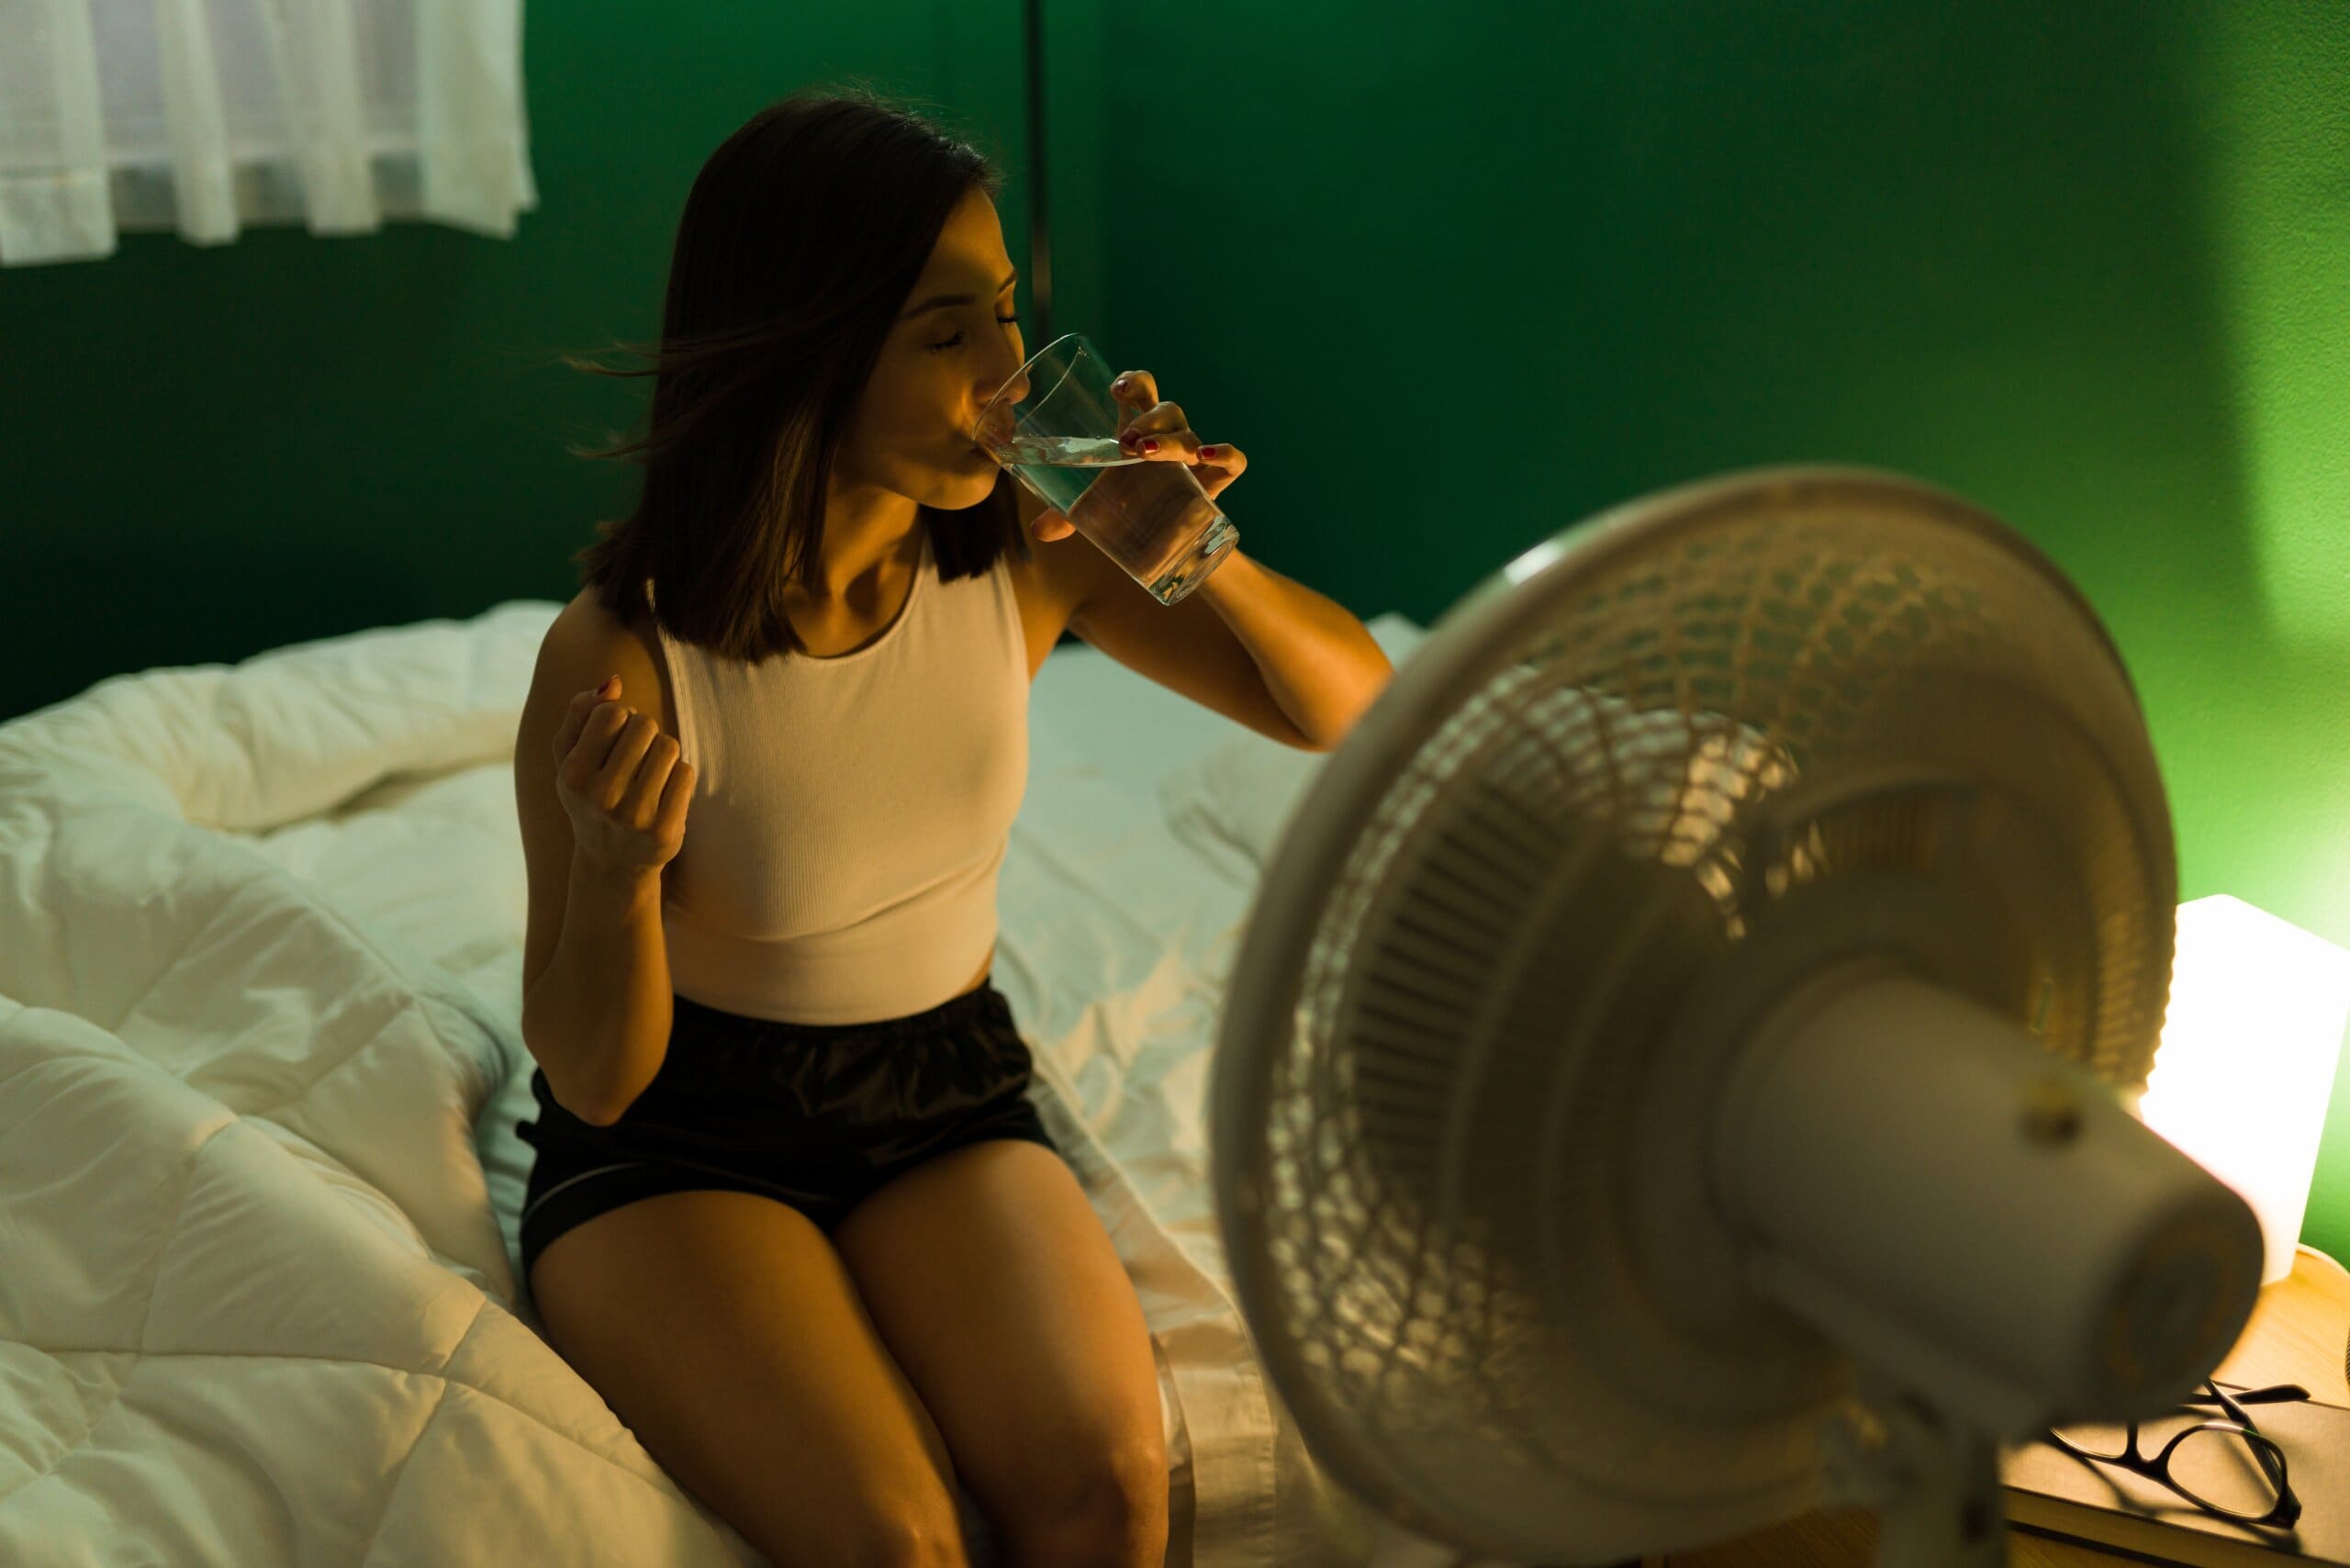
(1040, 241)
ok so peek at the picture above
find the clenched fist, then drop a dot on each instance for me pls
(622, 782)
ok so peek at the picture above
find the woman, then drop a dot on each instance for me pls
(792, 1212)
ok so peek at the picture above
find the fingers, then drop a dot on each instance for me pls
(676, 793)
(636, 738)
(1221, 457)
(642, 800)
(1136, 389)
(566, 734)
(1052, 525)
(1161, 432)
(580, 768)
(1178, 445)
(1164, 424)
(1155, 418)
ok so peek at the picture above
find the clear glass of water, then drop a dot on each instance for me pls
(1059, 438)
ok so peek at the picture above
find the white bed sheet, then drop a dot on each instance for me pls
(260, 1067)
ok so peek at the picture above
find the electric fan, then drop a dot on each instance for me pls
(1679, 1067)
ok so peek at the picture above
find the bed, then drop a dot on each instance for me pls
(261, 1064)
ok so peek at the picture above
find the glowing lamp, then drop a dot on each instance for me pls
(2246, 1064)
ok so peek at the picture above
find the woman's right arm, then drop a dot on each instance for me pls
(602, 794)
(598, 1019)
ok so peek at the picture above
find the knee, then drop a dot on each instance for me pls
(901, 1533)
(1102, 1505)
(904, 1543)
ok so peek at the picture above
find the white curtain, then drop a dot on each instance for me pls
(203, 116)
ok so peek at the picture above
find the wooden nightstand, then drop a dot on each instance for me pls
(2296, 1335)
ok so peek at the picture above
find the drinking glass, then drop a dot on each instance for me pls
(1060, 439)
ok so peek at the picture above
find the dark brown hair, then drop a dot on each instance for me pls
(801, 238)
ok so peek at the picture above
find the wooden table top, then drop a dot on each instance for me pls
(2297, 1334)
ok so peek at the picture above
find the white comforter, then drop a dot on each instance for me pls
(261, 1061)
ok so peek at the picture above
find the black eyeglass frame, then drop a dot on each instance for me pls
(2272, 1457)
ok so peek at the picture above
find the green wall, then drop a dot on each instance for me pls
(1453, 277)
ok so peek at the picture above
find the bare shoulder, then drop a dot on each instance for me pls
(585, 643)
(1051, 584)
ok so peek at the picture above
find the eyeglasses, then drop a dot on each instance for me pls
(2222, 1467)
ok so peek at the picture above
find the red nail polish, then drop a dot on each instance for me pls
(1150, 446)
(1208, 451)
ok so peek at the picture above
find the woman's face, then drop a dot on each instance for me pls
(944, 358)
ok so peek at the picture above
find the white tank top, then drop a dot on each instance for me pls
(850, 814)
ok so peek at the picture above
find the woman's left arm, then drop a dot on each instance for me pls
(1259, 647)
(1319, 664)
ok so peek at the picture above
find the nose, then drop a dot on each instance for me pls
(1003, 371)
(1014, 385)
(996, 419)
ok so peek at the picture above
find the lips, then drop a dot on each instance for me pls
(996, 426)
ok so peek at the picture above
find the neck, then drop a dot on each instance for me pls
(866, 532)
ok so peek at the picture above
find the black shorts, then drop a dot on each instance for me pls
(818, 1116)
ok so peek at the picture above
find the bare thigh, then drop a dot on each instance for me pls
(723, 1328)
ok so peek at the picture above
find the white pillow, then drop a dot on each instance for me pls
(1230, 804)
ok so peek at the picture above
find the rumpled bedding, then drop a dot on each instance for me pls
(260, 1063)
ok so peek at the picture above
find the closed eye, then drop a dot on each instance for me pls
(957, 338)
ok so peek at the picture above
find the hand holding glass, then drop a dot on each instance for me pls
(1060, 441)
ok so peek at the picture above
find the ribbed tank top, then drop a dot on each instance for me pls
(849, 814)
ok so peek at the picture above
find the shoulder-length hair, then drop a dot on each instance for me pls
(801, 238)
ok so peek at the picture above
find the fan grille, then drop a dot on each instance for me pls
(1604, 790)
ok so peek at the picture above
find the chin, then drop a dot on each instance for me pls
(963, 493)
